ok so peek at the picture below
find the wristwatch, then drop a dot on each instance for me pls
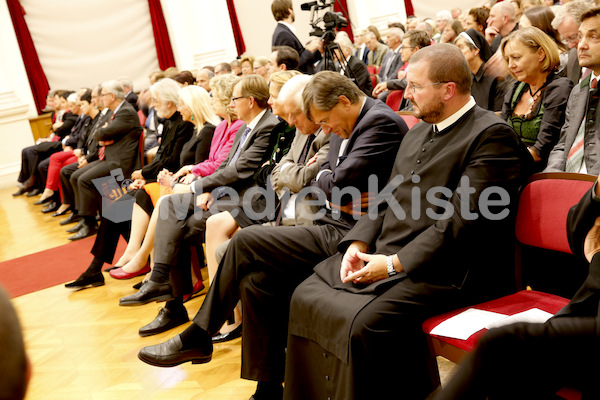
(390, 266)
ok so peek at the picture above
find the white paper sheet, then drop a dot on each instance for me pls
(463, 325)
(531, 315)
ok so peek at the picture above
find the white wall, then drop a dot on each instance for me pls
(200, 32)
(16, 102)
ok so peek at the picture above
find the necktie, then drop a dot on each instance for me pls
(101, 152)
(239, 148)
(301, 160)
(575, 157)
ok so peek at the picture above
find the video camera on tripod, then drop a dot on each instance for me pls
(332, 21)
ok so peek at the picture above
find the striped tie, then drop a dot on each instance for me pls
(575, 157)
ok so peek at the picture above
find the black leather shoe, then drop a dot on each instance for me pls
(226, 337)
(170, 354)
(84, 281)
(51, 207)
(21, 191)
(165, 320)
(139, 285)
(71, 219)
(34, 192)
(77, 227)
(86, 230)
(46, 200)
(61, 213)
(148, 293)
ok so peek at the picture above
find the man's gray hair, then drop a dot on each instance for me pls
(395, 32)
(167, 90)
(126, 82)
(444, 14)
(114, 87)
(345, 43)
(292, 90)
(574, 8)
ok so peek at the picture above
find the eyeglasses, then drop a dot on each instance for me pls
(412, 87)
(104, 94)
(234, 99)
(570, 39)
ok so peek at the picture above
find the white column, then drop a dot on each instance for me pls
(16, 102)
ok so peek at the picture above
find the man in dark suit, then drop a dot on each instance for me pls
(89, 154)
(187, 214)
(566, 22)
(119, 141)
(362, 310)
(580, 134)
(563, 351)
(353, 67)
(130, 95)
(362, 52)
(285, 35)
(263, 265)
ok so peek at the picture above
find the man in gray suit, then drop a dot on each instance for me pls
(378, 50)
(184, 215)
(392, 59)
(576, 151)
(119, 141)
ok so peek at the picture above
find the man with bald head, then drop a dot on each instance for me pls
(501, 21)
(203, 79)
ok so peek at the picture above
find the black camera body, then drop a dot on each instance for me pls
(331, 20)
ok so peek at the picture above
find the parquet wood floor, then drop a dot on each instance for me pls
(83, 346)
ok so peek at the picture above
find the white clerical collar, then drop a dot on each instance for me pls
(440, 126)
(291, 27)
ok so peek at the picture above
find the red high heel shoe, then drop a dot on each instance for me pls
(118, 273)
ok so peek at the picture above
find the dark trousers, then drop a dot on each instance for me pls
(31, 157)
(261, 267)
(180, 227)
(530, 361)
(87, 197)
(107, 239)
(68, 192)
(43, 172)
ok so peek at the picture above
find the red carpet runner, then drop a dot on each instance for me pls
(48, 268)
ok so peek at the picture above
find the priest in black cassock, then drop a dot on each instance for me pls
(442, 238)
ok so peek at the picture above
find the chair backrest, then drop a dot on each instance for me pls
(373, 69)
(409, 118)
(141, 149)
(543, 207)
(543, 252)
(394, 99)
(374, 80)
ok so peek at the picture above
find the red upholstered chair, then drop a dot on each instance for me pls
(374, 80)
(541, 223)
(141, 149)
(409, 118)
(373, 69)
(394, 99)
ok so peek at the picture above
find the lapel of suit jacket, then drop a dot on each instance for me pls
(335, 146)
(580, 102)
(234, 146)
